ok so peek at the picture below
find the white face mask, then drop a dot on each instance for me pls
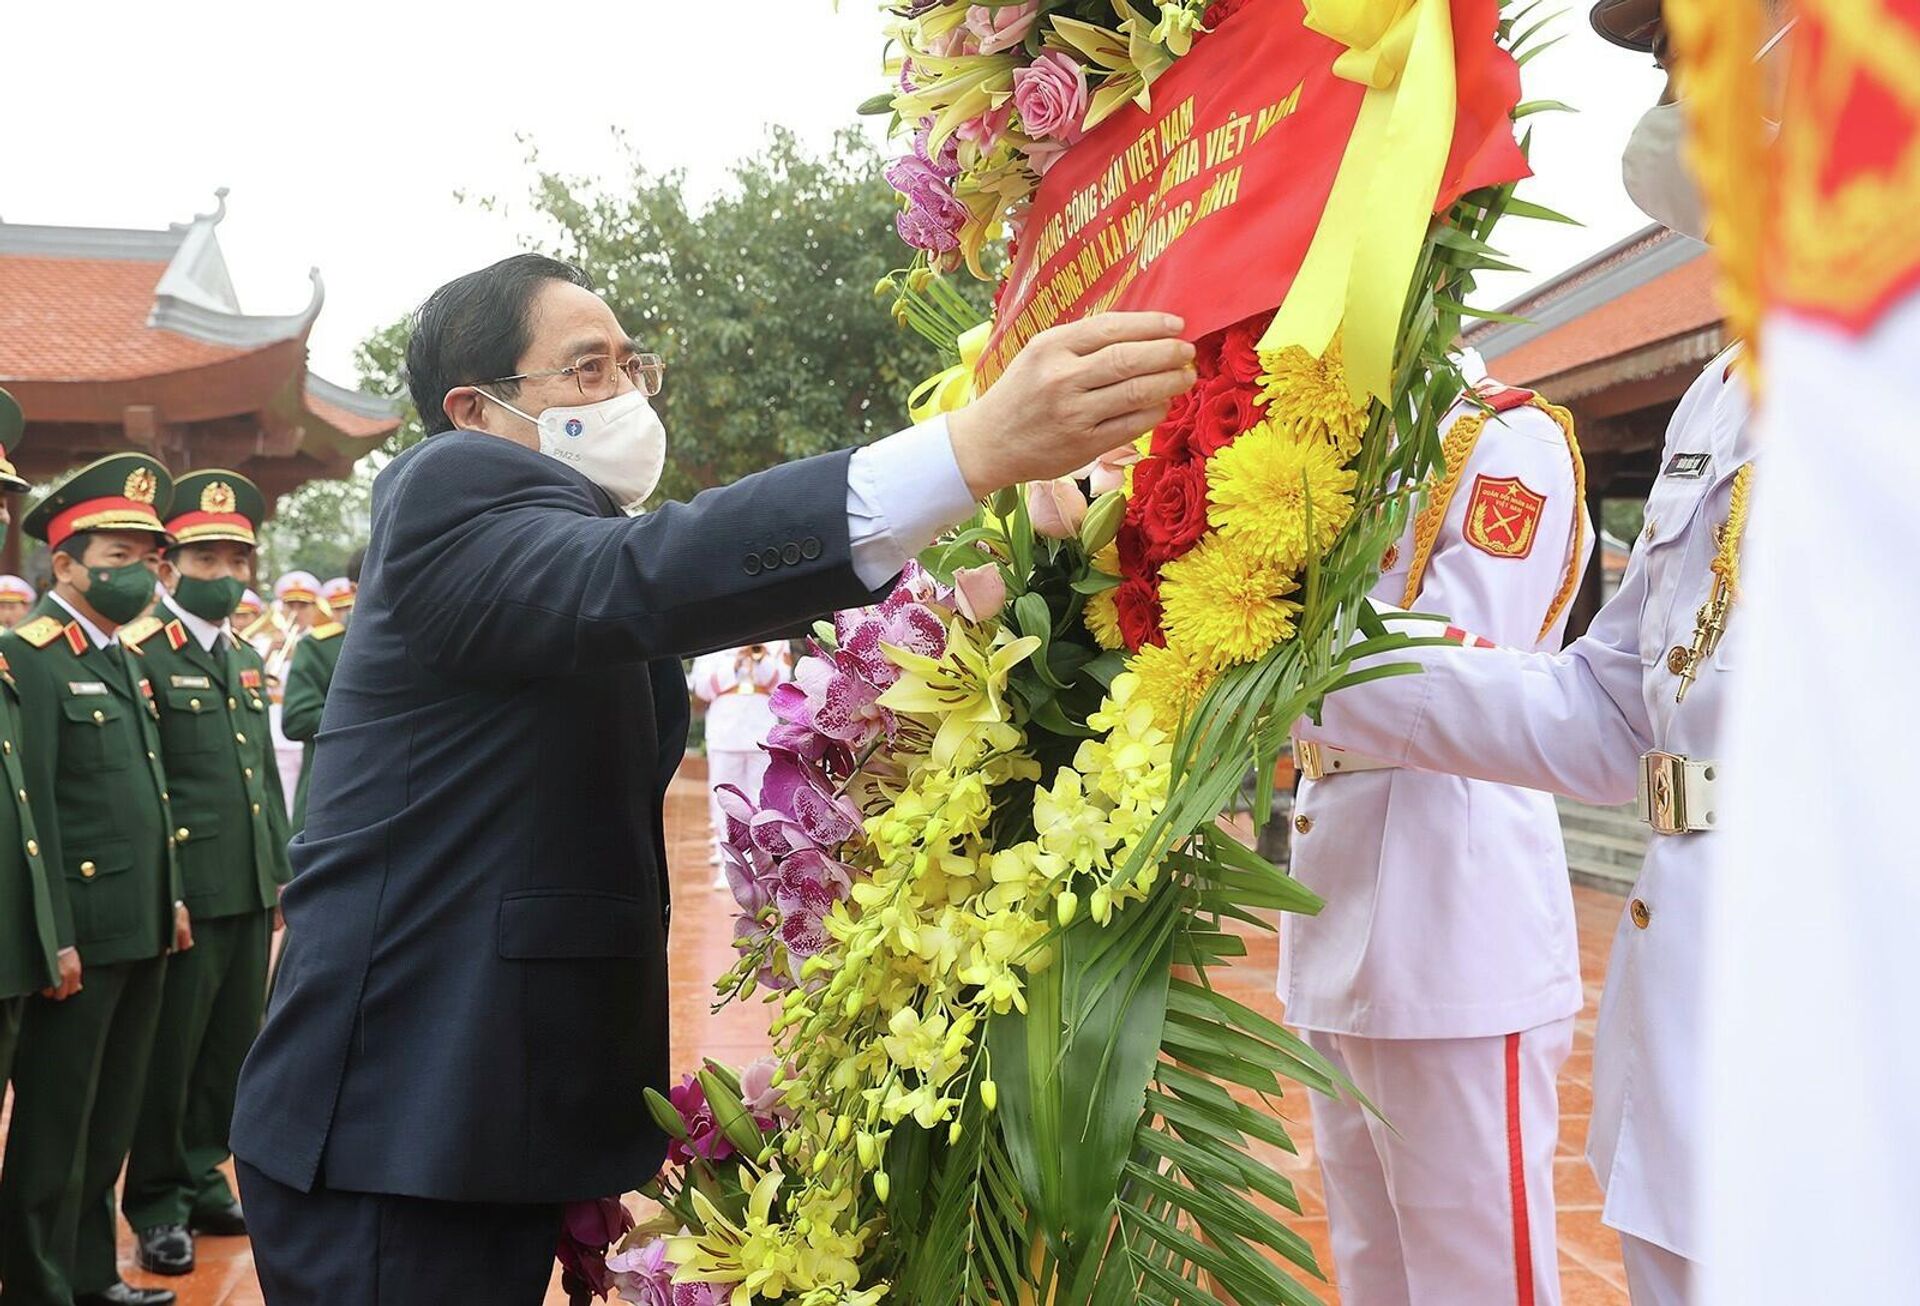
(1656, 175)
(619, 444)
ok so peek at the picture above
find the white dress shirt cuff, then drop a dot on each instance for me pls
(901, 493)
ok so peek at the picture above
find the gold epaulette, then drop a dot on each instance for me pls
(39, 632)
(327, 630)
(136, 633)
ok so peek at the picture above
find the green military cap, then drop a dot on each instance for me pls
(215, 504)
(12, 423)
(121, 492)
(1630, 24)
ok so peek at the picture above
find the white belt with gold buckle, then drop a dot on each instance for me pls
(1318, 761)
(1676, 793)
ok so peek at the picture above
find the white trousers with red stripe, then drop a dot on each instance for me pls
(1452, 1203)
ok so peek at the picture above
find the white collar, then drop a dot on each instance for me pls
(206, 632)
(100, 638)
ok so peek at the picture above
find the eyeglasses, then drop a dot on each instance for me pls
(594, 374)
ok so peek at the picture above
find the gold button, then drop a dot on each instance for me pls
(98, 716)
(23, 795)
(150, 756)
(194, 703)
(1652, 526)
(231, 704)
(1676, 659)
(86, 870)
(181, 835)
(6, 745)
(1304, 824)
(165, 797)
(248, 772)
(256, 809)
(33, 847)
(239, 738)
(256, 704)
(1638, 910)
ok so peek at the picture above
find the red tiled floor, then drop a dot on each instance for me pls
(702, 928)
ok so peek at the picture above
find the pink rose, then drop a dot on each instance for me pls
(1051, 94)
(1057, 508)
(1109, 470)
(1001, 27)
(979, 592)
(986, 130)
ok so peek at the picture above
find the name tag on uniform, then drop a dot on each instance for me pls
(1688, 466)
(191, 682)
(79, 687)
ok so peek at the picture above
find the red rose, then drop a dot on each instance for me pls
(1239, 356)
(1138, 603)
(1171, 438)
(1226, 412)
(1175, 512)
(1146, 473)
(1206, 357)
(1132, 543)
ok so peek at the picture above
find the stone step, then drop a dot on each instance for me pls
(1600, 820)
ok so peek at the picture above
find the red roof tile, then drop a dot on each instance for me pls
(1671, 304)
(72, 319)
(349, 423)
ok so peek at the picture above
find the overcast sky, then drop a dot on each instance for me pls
(345, 129)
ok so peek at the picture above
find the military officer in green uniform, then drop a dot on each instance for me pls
(232, 849)
(36, 948)
(311, 673)
(90, 721)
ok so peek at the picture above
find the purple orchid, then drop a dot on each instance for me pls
(804, 794)
(644, 1276)
(704, 1138)
(933, 217)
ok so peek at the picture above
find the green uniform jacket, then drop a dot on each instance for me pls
(306, 694)
(90, 725)
(29, 940)
(218, 749)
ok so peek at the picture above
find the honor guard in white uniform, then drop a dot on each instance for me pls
(1444, 973)
(1631, 709)
(736, 685)
(297, 596)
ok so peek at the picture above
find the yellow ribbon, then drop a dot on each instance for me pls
(943, 392)
(1355, 277)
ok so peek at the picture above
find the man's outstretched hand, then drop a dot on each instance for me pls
(1075, 392)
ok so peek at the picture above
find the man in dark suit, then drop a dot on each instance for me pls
(474, 991)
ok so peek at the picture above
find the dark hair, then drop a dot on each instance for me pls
(74, 546)
(354, 561)
(475, 328)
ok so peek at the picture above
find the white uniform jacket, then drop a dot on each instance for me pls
(1576, 723)
(738, 715)
(1449, 913)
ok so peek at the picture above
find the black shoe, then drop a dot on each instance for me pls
(125, 1294)
(228, 1222)
(165, 1249)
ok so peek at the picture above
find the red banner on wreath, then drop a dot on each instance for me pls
(1205, 204)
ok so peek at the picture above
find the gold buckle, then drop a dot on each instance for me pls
(1309, 761)
(1663, 792)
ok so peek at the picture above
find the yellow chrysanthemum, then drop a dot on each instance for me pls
(1259, 490)
(1102, 614)
(1308, 397)
(1226, 601)
(1172, 681)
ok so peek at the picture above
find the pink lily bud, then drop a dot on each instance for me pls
(1056, 507)
(1109, 470)
(979, 592)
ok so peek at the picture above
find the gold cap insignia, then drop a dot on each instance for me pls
(141, 485)
(217, 497)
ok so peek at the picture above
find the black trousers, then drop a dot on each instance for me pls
(328, 1248)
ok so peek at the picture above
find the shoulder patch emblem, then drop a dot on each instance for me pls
(1502, 398)
(249, 677)
(327, 631)
(134, 634)
(39, 632)
(176, 635)
(76, 637)
(1503, 516)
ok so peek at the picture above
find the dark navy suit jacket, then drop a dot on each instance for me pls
(474, 991)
